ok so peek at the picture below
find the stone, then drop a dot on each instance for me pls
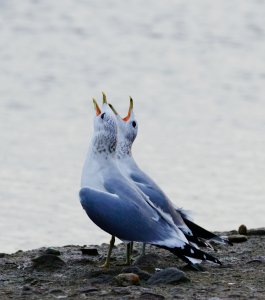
(258, 259)
(125, 279)
(121, 290)
(89, 251)
(87, 290)
(143, 275)
(258, 231)
(168, 276)
(147, 262)
(151, 296)
(2, 255)
(47, 261)
(242, 229)
(52, 251)
(237, 238)
(101, 276)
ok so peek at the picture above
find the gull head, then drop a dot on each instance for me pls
(127, 131)
(105, 129)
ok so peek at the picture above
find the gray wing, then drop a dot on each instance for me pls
(157, 196)
(126, 216)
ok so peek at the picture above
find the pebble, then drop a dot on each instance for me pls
(258, 259)
(143, 275)
(125, 279)
(151, 296)
(237, 238)
(168, 276)
(87, 290)
(147, 262)
(47, 261)
(121, 290)
(242, 229)
(89, 251)
(52, 251)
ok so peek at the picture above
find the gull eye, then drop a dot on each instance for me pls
(133, 124)
(102, 116)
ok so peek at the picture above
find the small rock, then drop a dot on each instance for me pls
(151, 296)
(87, 290)
(237, 238)
(56, 291)
(121, 290)
(2, 255)
(168, 275)
(101, 276)
(258, 259)
(47, 261)
(258, 231)
(133, 269)
(26, 288)
(89, 251)
(147, 262)
(242, 229)
(125, 279)
(52, 251)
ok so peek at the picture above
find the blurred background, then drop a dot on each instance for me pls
(196, 71)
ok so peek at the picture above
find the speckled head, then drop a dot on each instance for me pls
(127, 131)
(105, 129)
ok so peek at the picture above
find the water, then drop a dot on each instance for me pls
(196, 70)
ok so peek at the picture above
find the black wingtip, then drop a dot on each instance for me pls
(189, 251)
(200, 232)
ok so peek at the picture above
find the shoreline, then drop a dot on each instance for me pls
(74, 272)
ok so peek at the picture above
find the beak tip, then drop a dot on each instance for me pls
(104, 98)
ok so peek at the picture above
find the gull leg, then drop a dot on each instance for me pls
(143, 249)
(129, 253)
(111, 245)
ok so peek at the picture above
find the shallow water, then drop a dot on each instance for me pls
(196, 70)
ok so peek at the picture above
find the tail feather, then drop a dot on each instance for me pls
(200, 232)
(191, 254)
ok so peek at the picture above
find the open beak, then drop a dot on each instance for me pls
(97, 109)
(113, 109)
(104, 98)
(129, 111)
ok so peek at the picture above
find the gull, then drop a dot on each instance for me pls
(127, 132)
(117, 205)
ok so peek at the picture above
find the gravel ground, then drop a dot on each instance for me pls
(74, 272)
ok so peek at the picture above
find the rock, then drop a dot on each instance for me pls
(258, 231)
(242, 229)
(2, 255)
(58, 293)
(87, 290)
(147, 262)
(89, 251)
(151, 296)
(125, 279)
(26, 288)
(258, 259)
(237, 238)
(168, 276)
(101, 276)
(121, 290)
(133, 269)
(52, 251)
(47, 261)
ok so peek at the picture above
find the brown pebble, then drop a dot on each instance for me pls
(242, 229)
(125, 279)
